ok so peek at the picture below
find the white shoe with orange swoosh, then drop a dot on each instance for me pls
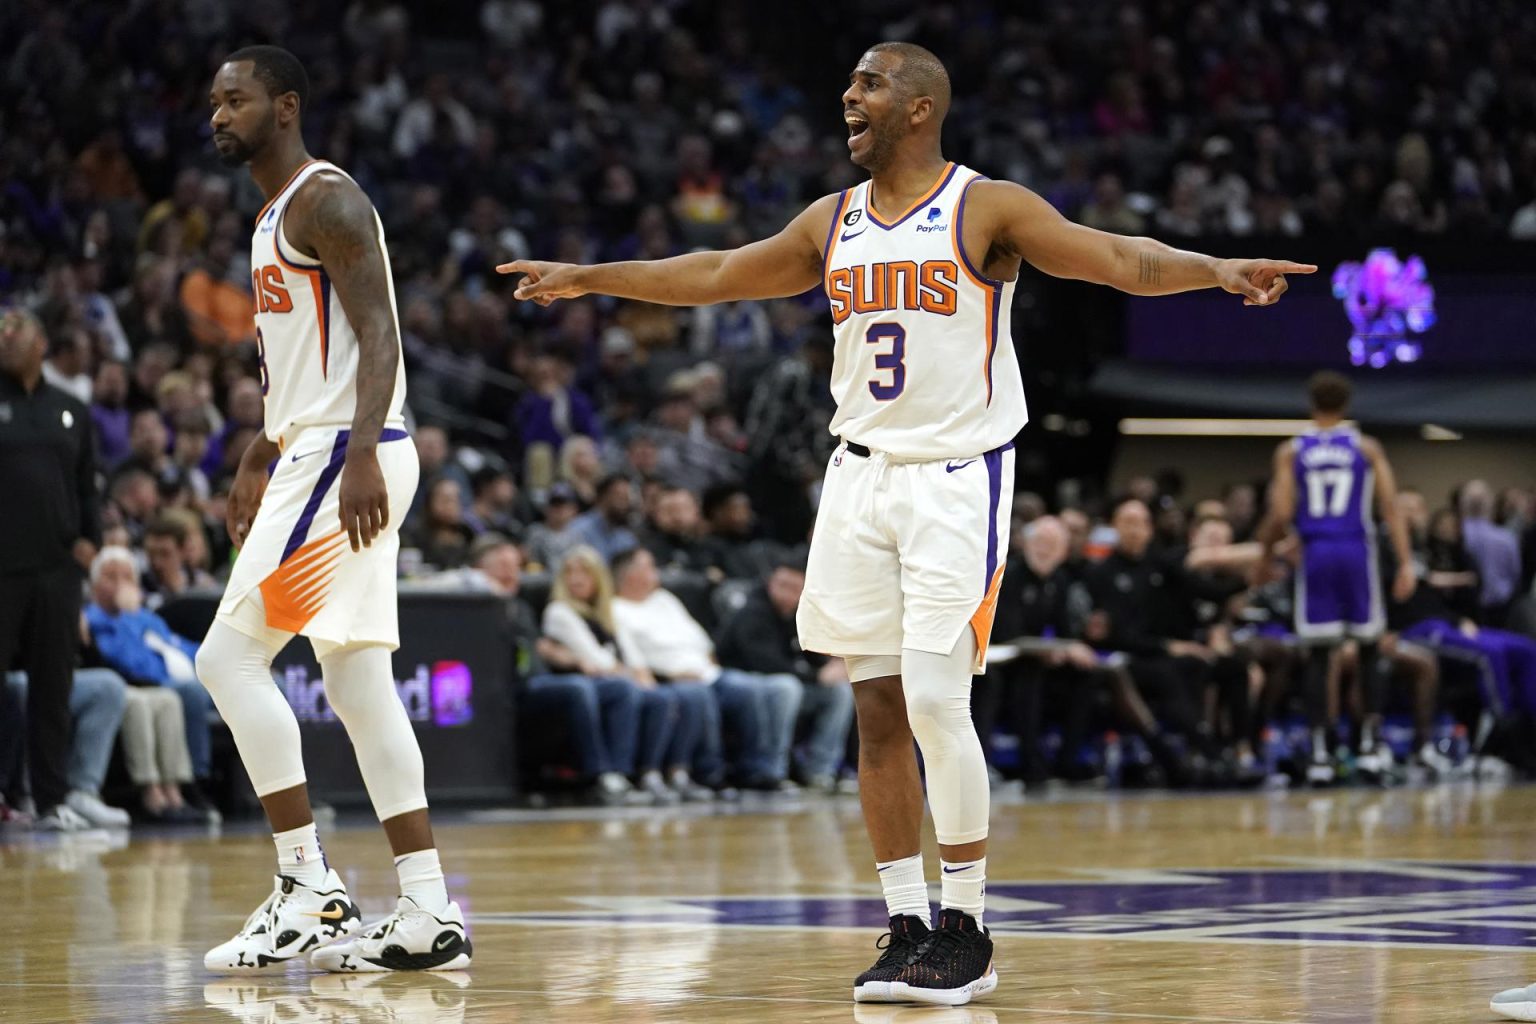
(293, 920)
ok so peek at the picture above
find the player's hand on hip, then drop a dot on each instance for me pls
(1259, 282)
(364, 498)
(543, 282)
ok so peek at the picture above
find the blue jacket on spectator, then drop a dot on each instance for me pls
(121, 641)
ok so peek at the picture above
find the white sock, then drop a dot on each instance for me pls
(963, 887)
(906, 892)
(299, 855)
(421, 878)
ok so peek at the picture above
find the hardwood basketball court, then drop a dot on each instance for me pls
(1411, 906)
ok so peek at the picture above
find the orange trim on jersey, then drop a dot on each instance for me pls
(316, 276)
(938, 186)
(298, 589)
(279, 193)
(981, 619)
(990, 289)
(958, 243)
(837, 218)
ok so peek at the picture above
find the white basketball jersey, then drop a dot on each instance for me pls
(307, 348)
(924, 366)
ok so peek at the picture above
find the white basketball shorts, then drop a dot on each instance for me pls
(906, 554)
(299, 559)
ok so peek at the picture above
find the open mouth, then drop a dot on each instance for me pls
(857, 125)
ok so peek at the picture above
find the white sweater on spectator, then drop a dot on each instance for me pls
(565, 626)
(667, 639)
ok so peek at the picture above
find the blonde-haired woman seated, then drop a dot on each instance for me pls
(631, 728)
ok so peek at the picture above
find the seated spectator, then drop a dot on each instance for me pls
(1041, 598)
(761, 637)
(220, 310)
(96, 704)
(436, 460)
(582, 468)
(441, 534)
(149, 444)
(548, 541)
(133, 499)
(154, 737)
(169, 575)
(604, 721)
(1448, 567)
(109, 413)
(1494, 550)
(497, 505)
(139, 645)
(674, 536)
(605, 527)
(68, 366)
(244, 420)
(579, 617)
(1137, 602)
(551, 411)
(671, 644)
(732, 551)
(189, 449)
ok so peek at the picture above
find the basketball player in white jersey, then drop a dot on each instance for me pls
(318, 542)
(919, 264)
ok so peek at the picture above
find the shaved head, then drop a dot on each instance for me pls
(920, 73)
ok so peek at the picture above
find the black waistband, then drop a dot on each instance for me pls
(854, 448)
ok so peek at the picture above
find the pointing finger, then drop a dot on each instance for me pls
(1287, 267)
(515, 267)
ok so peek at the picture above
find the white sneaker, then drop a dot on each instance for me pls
(90, 807)
(291, 922)
(1376, 764)
(62, 818)
(1435, 763)
(656, 787)
(410, 939)
(1320, 773)
(1515, 1003)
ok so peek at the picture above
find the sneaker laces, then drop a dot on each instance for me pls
(890, 946)
(266, 914)
(942, 944)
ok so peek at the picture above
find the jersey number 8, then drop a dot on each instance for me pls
(261, 362)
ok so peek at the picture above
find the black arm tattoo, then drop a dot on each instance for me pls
(1151, 269)
(340, 227)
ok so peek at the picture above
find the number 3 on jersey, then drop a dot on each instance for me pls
(1328, 491)
(895, 360)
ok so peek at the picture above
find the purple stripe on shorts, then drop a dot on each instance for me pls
(328, 476)
(994, 461)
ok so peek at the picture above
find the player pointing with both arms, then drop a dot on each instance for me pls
(919, 265)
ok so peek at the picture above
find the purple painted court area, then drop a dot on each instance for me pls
(1412, 903)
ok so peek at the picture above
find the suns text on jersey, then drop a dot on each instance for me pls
(879, 287)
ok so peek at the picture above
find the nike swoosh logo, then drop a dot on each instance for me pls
(952, 871)
(443, 942)
(855, 234)
(297, 456)
(329, 914)
(951, 467)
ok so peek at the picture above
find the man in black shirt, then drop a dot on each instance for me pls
(1141, 606)
(761, 637)
(673, 536)
(50, 524)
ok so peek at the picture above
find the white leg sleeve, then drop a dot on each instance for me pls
(938, 692)
(360, 686)
(236, 667)
(871, 666)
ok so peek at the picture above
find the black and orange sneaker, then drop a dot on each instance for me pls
(953, 965)
(898, 946)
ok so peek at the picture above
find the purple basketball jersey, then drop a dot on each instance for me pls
(1338, 592)
(1333, 485)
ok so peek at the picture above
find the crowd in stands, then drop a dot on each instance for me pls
(596, 437)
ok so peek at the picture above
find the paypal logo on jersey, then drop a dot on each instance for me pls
(268, 223)
(934, 213)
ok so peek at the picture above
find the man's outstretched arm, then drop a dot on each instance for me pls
(786, 264)
(1030, 228)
